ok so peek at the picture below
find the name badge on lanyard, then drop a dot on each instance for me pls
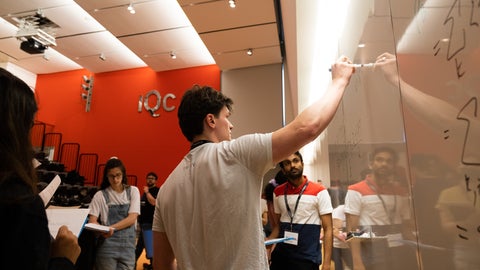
(291, 234)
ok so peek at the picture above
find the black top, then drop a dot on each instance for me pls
(146, 209)
(26, 239)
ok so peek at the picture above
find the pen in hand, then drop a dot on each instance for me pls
(359, 66)
(365, 65)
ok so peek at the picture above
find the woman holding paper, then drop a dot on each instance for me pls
(26, 242)
(116, 205)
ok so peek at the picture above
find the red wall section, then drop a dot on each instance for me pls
(420, 137)
(114, 127)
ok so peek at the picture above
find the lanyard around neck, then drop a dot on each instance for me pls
(198, 143)
(289, 211)
(390, 214)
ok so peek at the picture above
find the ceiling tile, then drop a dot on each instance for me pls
(265, 35)
(149, 17)
(240, 59)
(28, 6)
(221, 16)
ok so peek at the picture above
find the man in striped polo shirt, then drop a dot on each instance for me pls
(378, 208)
(303, 207)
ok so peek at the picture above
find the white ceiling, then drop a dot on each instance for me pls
(204, 32)
(88, 28)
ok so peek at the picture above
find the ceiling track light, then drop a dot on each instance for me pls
(131, 9)
(173, 55)
(232, 3)
(250, 52)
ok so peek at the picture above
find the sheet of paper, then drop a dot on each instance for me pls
(97, 227)
(47, 193)
(36, 163)
(277, 240)
(74, 218)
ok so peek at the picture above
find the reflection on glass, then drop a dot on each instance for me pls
(379, 217)
(420, 99)
(459, 211)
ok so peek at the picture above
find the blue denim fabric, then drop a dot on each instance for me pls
(118, 251)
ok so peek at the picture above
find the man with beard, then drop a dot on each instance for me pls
(379, 204)
(145, 220)
(302, 209)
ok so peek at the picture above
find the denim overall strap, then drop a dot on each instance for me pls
(124, 238)
(118, 251)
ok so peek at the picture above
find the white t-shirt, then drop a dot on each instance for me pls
(339, 213)
(209, 206)
(98, 206)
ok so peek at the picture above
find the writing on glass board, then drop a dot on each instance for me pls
(473, 188)
(457, 41)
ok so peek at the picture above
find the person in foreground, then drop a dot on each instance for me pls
(116, 205)
(207, 213)
(26, 241)
(302, 209)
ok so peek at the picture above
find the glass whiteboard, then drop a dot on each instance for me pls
(420, 99)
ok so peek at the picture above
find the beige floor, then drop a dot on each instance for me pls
(142, 260)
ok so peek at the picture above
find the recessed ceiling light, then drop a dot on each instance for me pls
(131, 9)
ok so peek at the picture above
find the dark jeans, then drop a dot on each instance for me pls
(282, 263)
(341, 257)
(376, 255)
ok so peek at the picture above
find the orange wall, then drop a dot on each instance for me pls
(429, 74)
(114, 127)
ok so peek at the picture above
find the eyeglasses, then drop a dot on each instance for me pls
(113, 176)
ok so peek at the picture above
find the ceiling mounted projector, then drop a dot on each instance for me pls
(32, 46)
(33, 32)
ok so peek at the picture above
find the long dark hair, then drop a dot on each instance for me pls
(18, 108)
(113, 163)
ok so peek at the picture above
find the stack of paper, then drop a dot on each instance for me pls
(97, 227)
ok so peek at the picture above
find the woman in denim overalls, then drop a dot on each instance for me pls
(117, 205)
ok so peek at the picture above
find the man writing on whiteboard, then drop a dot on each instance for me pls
(207, 214)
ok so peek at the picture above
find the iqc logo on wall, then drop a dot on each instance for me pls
(143, 101)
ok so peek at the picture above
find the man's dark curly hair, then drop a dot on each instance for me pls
(297, 153)
(196, 103)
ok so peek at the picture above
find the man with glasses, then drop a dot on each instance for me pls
(145, 220)
(117, 206)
